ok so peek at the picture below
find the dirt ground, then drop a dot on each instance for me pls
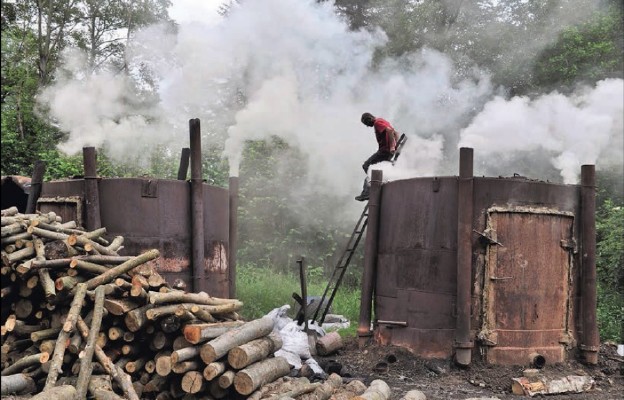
(442, 380)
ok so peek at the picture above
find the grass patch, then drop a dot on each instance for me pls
(262, 290)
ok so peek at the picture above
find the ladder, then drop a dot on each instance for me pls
(341, 267)
(345, 259)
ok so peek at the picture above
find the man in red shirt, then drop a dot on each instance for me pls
(387, 139)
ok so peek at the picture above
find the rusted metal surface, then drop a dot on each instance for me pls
(370, 256)
(157, 214)
(463, 342)
(233, 239)
(591, 340)
(35, 186)
(526, 283)
(92, 195)
(417, 267)
(197, 209)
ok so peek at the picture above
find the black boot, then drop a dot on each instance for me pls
(365, 191)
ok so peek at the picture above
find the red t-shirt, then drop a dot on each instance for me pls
(384, 132)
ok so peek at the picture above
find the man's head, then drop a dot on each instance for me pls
(368, 119)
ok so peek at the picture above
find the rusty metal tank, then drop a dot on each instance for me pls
(499, 268)
(153, 214)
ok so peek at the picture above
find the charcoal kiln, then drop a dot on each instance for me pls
(189, 222)
(480, 267)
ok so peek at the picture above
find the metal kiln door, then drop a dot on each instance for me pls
(527, 286)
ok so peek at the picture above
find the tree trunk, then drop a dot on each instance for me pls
(63, 392)
(260, 373)
(256, 350)
(329, 343)
(87, 356)
(247, 332)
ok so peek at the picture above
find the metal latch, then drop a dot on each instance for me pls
(149, 188)
(570, 245)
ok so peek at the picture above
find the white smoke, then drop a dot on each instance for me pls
(293, 69)
(586, 128)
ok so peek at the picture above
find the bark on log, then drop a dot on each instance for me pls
(25, 362)
(178, 296)
(136, 318)
(213, 370)
(218, 347)
(241, 356)
(120, 306)
(17, 384)
(198, 333)
(193, 382)
(298, 390)
(377, 390)
(184, 354)
(329, 343)
(127, 266)
(260, 373)
(185, 366)
(63, 392)
(63, 338)
(326, 389)
(227, 379)
(87, 356)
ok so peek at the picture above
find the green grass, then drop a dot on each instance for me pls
(261, 290)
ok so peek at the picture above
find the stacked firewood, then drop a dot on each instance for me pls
(79, 318)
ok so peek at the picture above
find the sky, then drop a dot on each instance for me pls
(307, 79)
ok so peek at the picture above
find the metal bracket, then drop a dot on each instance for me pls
(570, 245)
(485, 235)
(149, 188)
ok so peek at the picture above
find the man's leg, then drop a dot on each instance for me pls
(365, 191)
(376, 158)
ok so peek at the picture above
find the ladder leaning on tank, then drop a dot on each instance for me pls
(345, 258)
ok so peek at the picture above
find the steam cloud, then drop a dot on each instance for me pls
(307, 79)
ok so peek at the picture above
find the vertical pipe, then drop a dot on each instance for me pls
(92, 195)
(233, 238)
(197, 208)
(370, 257)
(184, 164)
(591, 339)
(463, 344)
(36, 181)
(304, 292)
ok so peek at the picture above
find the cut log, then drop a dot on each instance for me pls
(178, 296)
(213, 370)
(63, 392)
(325, 390)
(218, 347)
(120, 306)
(249, 379)
(17, 384)
(123, 268)
(25, 362)
(185, 366)
(193, 382)
(329, 343)
(227, 379)
(87, 355)
(197, 333)
(256, 350)
(184, 354)
(164, 365)
(63, 338)
(377, 390)
(136, 318)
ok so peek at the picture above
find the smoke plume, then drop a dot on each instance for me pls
(293, 69)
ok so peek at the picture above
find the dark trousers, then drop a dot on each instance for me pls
(377, 157)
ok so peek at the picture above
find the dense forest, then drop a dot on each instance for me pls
(123, 76)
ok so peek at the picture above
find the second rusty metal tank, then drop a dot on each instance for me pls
(527, 290)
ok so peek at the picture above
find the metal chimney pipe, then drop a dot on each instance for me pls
(36, 181)
(233, 238)
(197, 208)
(591, 339)
(463, 344)
(370, 258)
(92, 193)
(184, 163)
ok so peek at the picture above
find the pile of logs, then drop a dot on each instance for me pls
(78, 318)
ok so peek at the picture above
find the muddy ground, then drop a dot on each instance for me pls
(442, 380)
